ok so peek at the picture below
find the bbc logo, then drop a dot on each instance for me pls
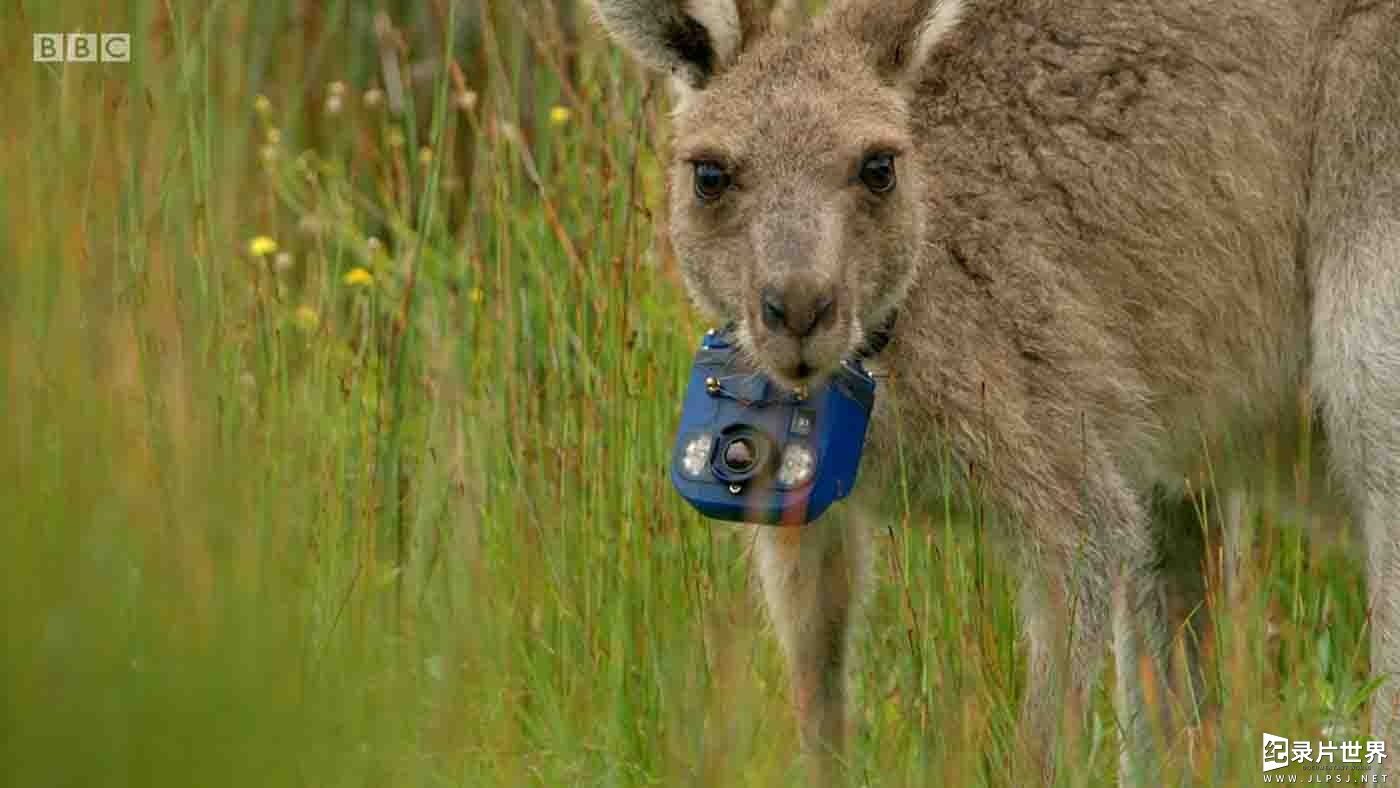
(82, 47)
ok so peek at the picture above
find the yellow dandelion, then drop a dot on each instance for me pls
(307, 318)
(262, 104)
(560, 116)
(262, 246)
(357, 276)
(475, 295)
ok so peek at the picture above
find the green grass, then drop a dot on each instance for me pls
(264, 527)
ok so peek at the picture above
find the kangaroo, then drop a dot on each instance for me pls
(1114, 234)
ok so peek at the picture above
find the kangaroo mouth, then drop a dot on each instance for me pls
(805, 371)
(808, 363)
(872, 343)
(800, 373)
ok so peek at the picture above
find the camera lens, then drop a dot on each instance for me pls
(743, 453)
(740, 455)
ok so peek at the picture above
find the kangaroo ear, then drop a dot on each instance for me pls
(694, 40)
(901, 34)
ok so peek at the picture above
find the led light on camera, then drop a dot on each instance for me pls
(697, 454)
(799, 462)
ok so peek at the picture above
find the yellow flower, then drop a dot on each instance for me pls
(262, 104)
(425, 156)
(262, 246)
(307, 318)
(560, 116)
(358, 276)
(475, 295)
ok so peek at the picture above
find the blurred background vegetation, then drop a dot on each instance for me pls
(340, 354)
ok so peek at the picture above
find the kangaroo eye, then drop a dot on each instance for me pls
(711, 181)
(877, 173)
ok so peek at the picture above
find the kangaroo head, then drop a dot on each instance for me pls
(797, 190)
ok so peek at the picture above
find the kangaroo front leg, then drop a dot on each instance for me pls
(1066, 619)
(1074, 598)
(812, 579)
(1141, 648)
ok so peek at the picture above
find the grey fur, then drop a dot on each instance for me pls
(1124, 234)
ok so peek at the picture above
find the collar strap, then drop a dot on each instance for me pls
(876, 340)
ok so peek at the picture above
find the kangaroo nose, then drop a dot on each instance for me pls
(796, 311)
